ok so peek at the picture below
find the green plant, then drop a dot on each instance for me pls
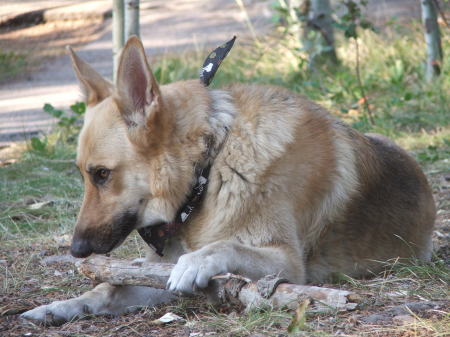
(39, 144)
(66, 120)
(68, 126)
(10, 64)
(69, 123)
(349, 23)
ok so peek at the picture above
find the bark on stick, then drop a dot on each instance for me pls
(251, 295)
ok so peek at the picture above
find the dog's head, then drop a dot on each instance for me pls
(136, 151)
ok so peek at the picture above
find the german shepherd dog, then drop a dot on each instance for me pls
(292, 190)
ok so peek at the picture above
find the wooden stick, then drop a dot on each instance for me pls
(124, 272)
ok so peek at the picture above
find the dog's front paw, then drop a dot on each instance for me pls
(194, 270)
(56, 313)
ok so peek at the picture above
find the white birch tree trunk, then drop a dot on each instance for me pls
(432, 39)
(131, 18)
(118, 33)
(319, 20)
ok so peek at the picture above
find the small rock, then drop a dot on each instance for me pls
(42, 252)
(375, 318)
(3, 263)
(354, 297)
(351, 306)
(403, 319)
(416, 307)
(233, 315)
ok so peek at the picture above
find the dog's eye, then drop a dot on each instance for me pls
(100, 175)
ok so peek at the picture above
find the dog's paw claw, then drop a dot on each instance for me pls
(193, 271)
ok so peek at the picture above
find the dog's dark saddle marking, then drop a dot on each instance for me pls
(156, 236)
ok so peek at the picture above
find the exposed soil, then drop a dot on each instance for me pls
(41, 43)
(40, 272)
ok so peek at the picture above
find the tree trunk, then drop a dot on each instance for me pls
(269, 291)
(131, 18)
(322, 49)
(118, 33)
(432, 39)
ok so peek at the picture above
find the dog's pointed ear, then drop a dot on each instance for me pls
(138, 91)
(94, 87)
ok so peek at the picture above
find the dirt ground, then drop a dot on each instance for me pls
(409, 302)
(166, 26)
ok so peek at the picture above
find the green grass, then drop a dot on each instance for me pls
(36, 177)
(11, 64)
(392, 74)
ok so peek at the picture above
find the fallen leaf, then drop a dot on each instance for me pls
(167, 318)
(39, 205)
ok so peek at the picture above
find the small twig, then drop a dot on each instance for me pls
(230, 276)
(248, 21)
(361, 87)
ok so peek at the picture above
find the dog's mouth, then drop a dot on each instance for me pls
(104, 241)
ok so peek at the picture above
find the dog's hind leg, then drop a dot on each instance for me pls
(104, 299)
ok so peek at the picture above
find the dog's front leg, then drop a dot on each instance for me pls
(195, 269)
(104, 299)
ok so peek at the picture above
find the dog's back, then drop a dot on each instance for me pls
(391, 216)
(291, 173)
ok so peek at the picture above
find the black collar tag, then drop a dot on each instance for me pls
(156, 236)
(213, 61)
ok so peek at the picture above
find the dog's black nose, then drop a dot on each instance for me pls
(80, 248)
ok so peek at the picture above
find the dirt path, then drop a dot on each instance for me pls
(165, 26)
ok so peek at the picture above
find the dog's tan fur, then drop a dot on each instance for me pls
(292, 190)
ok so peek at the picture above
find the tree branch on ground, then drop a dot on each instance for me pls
(269, 291)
